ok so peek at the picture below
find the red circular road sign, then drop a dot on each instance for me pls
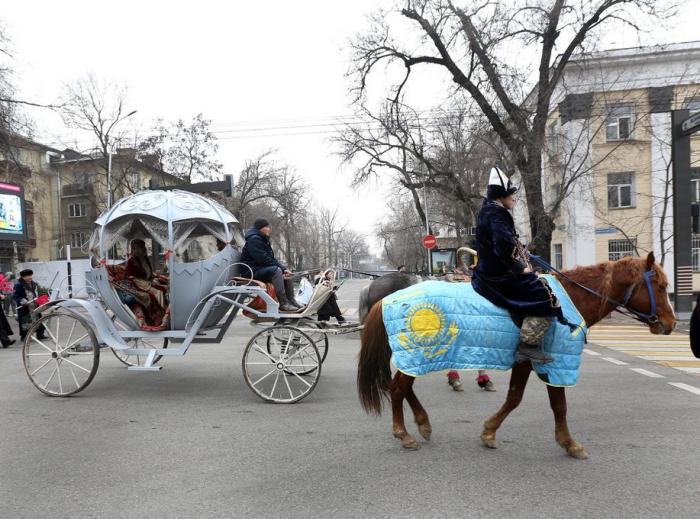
(429, 241)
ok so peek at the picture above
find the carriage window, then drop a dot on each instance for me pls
(620, 190)
(620, 248)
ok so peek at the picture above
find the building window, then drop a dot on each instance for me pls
(696, 252)
(553, 139)
(76, 210)
(695, 185)
(693, 104)
(620, 122)
(558, 256)
(620, 190)
(78, 239)
(620, 248)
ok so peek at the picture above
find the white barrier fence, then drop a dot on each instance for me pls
(54, 275)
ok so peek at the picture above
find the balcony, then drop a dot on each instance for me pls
(77, 190)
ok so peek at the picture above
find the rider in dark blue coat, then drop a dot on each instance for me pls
(257, 254)
(503, 273)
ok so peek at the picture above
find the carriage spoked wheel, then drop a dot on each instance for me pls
(320, 339)
(138, 342)
(281, 364)
(64, 360)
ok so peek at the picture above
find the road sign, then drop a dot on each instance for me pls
(691, 124)
(429, 241)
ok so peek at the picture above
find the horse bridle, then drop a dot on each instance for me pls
(650, 318)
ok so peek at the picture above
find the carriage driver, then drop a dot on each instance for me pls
(257, 254)
(504, 275)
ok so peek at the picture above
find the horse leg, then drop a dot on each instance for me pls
(518, 380)
(557, 400)
(399, 390)
(419, 413)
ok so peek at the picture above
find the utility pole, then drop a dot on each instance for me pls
(427, 228)
(108, 158)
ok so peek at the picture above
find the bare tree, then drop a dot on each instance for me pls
(481, 46)
(254, 183)
(330, 227)
(186, 149)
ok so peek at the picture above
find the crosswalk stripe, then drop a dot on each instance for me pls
(672, 351)
(647, 373)
(615, 361)
(689, 370)
(686, 387)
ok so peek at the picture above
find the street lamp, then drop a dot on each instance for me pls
(109, 158)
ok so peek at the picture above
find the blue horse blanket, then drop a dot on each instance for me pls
(435, 326)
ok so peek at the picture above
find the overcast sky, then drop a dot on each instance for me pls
(268, 74)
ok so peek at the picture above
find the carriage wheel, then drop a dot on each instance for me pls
(281, 364)
(65, 360)
(137, 342)
(320, 339)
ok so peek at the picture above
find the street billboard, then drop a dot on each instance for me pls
(13, 223)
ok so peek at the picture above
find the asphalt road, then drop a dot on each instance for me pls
(193, 441)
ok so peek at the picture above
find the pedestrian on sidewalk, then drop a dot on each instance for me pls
(25, 293)
(7, 283)
(5, 328)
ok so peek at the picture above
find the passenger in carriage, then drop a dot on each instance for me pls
(149, 291)
(257, 254)
(503, 274)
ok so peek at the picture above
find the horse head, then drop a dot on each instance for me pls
(646, 292)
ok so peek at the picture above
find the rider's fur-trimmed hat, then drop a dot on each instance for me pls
(26, 272)
(499, 185)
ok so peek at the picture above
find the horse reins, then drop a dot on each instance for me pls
(622, 307)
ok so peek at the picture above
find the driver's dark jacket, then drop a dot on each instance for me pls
(257, 251)
(501, 261)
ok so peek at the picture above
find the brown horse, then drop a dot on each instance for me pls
(639, 283)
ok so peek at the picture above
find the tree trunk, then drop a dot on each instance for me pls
(541, 223)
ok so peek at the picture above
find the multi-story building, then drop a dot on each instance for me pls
(28, 163)
(64, 192)
(608, 148)
(82, 181)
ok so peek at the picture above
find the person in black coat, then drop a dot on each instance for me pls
(257, 254)
(5, 328)
(503, 272)
(25, 292)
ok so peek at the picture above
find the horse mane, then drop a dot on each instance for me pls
(601, 276)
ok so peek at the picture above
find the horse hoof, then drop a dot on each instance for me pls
(425, 430)
(489, 441)
(578, 452)
(411, 446)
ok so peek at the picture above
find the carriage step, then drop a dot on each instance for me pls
(145, 368)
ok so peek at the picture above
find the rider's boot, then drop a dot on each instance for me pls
(532, 334)
(280, 291)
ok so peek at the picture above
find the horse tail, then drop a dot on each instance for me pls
(373, 370)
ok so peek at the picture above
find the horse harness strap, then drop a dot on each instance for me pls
(649, 318)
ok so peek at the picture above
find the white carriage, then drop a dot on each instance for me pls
(281, 362)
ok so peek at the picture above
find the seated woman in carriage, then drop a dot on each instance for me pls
(141, 288)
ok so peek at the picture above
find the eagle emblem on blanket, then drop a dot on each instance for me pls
(426, 328)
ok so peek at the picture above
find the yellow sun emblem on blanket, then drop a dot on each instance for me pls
(427, 329)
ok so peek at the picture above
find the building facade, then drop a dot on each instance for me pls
(64, 193)
(607, 159)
